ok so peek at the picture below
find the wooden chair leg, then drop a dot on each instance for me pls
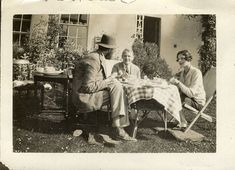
(165, 120)
(96, 118)
(144, 116)
(42, 98)
(135, 125)
(172, 119)
(192, 123)
(163, 116)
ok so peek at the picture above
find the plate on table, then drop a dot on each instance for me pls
(54, 73)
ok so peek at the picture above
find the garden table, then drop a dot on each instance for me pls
(63, 79)
(142, 94)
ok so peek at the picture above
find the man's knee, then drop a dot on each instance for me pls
(117, 86)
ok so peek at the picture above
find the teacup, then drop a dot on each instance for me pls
(49, 69)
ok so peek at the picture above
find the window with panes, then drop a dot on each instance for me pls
(75, 29)
(21, 28)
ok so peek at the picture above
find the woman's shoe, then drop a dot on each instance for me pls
(181, 126)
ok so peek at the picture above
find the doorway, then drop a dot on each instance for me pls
(152, 30)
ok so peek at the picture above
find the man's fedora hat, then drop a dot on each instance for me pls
(107, 41)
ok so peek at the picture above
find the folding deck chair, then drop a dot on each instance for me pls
(209, 81)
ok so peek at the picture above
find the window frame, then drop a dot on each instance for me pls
(77, 25)
(20, 32)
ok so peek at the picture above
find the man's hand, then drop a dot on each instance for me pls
(110, 80)
(174, 81)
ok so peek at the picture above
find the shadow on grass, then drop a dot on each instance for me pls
(42, 126)
(146, 129)
(166, 135)
(27, 116)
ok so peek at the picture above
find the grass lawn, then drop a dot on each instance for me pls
(34, 132)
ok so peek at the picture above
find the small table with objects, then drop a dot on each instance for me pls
(148, 95)
(61, 78)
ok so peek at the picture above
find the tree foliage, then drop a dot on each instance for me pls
(43, 44)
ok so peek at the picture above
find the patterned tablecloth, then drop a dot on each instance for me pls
(164, 93)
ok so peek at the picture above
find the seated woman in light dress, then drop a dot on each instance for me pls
(190, 84)
(126, 69)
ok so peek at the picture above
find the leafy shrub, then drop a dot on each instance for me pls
(148, 59)
(44, 46)
(70, 53)
(17, 51)
(41, 46)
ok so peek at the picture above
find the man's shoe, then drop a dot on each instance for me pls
(127, 138)
(92, 140)
(107, 139)
(124, 136)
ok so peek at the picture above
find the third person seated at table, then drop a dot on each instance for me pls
(126, 69)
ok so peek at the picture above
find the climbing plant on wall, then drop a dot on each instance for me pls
(208, 49)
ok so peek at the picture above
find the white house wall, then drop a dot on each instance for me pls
(121, 26)
(177, 33)
(184, 33)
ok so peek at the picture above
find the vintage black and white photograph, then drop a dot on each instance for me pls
(117, 84)
(114, 83)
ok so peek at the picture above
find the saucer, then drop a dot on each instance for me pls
(54, 73)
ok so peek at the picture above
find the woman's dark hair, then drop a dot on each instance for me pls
(186, 53)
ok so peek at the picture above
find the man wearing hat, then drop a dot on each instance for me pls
(92, 88)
